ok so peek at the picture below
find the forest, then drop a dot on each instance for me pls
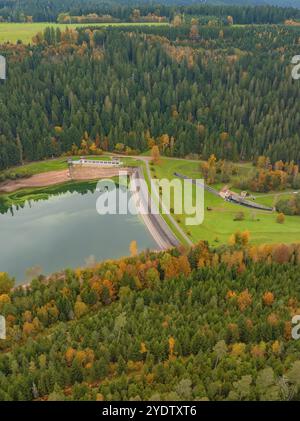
(213, 90)
(198, 324)
(211, 322)
(246, 12)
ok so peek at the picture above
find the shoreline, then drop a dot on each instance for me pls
(155, 224)
(52, 178)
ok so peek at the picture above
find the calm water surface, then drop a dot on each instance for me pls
(64, 231)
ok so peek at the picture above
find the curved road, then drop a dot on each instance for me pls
(150, 214)
(162, 206)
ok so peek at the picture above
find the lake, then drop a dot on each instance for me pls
(64, 231)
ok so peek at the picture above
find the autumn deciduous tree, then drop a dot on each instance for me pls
(272, 319)
(28, 328)
(155, 154)
(238, 349)
(69, 355)
(99, 397)
(280, 219)
(80, 308)
(276, 347)
(6, 283)
(4, 299)
(281, 253)
(209, 169)
(109, 287)
(184, 265)
(239, 238)
(230, 20)
(224, 136)
(171, 346)
(233, 259)
(268, 298)
(258, 351)
(230, 294)
(143, 348)
(262, 162)
(177, 21)
(27, 316)
(194, 32)
(133, 248)
(245, 237)
(244, 300)
(287, 330)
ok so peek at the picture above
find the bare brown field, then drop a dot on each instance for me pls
(58, 177)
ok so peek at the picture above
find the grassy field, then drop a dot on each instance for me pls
(38, 167)
(24, 32)
(219, 222)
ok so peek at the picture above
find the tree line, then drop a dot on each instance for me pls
(48, 11)
(135, 87)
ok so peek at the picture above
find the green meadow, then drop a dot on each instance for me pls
(13, 32)
(38, 167)
(219, 221)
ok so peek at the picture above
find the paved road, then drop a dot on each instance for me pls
(166, 211)
(152, 218)
(198, 183)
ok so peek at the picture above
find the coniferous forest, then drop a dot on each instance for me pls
(126, 86)
(208, 82)
(253, 11)
(172, 326)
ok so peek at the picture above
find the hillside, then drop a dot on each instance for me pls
(149, 206)
(280, 3)
(204, 325)
(141, 83)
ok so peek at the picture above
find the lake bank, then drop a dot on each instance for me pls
(59, 177)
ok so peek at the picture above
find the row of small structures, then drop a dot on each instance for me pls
(229, 196)
(113, 162)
